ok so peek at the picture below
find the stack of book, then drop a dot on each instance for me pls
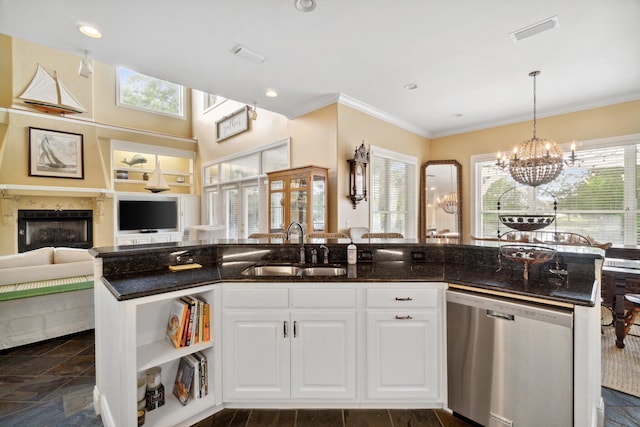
(192, 378)
(189, 321)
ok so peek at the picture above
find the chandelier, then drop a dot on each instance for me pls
(449, 203)
(536, 161)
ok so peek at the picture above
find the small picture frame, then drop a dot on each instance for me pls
(55, 154)
(233, 124)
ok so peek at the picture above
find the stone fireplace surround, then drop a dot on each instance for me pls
(15, 198)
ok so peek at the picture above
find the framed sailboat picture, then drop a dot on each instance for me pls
(55, 154)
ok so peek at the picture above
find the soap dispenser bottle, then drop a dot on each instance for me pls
(352, 253)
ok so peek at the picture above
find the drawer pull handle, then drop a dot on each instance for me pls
(407, 317)
(286, 332)
(295, 328)
(404, 299)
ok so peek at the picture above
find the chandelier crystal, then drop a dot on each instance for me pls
(449, 203)
(536, 161)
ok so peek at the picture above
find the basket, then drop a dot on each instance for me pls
(526, 222)
(527, 255)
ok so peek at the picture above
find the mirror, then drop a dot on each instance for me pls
(441, 210)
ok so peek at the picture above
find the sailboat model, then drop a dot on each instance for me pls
(47, 93)
(157, 183)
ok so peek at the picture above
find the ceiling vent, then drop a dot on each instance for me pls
(248, 54)
(537, 28)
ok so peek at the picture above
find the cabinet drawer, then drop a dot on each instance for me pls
(402, 298)
(255, 298)
(321, 298)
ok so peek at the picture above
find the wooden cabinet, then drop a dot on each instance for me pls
(404, 343)
(282, 343)
(298, 195)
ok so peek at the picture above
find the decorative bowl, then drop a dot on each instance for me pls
(526, 222)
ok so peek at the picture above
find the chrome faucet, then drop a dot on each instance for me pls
(302, 260)
(325, 259)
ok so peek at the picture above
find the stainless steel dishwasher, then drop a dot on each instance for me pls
(509, 363)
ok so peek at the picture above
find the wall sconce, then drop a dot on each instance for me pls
(8, 204)
(253, 112)
(358, 175)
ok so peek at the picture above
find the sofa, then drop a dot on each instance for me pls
(45, 293)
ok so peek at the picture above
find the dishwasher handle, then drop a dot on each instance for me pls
(497, 315)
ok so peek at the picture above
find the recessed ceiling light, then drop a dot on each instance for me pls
(305, 5)
(90, 31)
(271, 93)
(410, 86)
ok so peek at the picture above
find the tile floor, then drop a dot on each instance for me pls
(51, 384)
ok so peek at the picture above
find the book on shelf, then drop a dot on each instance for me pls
(204, 382)
(206, 322)
(194, 392)
(185, 329)
(189, 321)
(184, 381)
(176, 322)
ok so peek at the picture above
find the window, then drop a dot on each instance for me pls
(235, 190)
(211, 101)
(144, 92)
(393, 193)
(597, 197)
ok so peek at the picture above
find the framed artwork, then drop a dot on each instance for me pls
(55, 154)
(233, 124)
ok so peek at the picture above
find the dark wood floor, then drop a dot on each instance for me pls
(51, 384)
(332, 418)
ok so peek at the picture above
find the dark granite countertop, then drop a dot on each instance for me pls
(135, 273)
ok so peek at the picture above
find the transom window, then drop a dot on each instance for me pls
(148, 93)
(596, 198)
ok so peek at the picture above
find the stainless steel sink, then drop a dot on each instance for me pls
(272, 270)
(293, 271)
(324, 271)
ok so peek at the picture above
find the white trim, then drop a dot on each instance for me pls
(630, 97)
(590, 144)
(24, 189)
(117, 144)
(286, 141)
(340, 98)
(182, 104)
(386, 117)
(412, 187)
(394, 155)
(90, 122)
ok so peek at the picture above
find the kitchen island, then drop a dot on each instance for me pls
(385, 314)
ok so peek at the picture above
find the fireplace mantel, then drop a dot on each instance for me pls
(11, 194)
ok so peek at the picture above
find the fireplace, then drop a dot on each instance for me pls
(42, 228)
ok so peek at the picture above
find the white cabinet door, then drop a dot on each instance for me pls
(403, 349)
(256, 353)
(323, 355)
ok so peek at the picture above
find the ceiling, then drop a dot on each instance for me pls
(469, 71)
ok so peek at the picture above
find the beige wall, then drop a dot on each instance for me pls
(354, 127)
(326, 137)
(103, 122)
(613, 120)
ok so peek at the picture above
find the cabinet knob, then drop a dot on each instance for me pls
(407, 317)
(404, 299)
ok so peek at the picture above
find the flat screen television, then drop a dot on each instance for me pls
(147, 215)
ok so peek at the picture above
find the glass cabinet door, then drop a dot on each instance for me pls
(276, 206)
(298, 195)
(319, 189)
